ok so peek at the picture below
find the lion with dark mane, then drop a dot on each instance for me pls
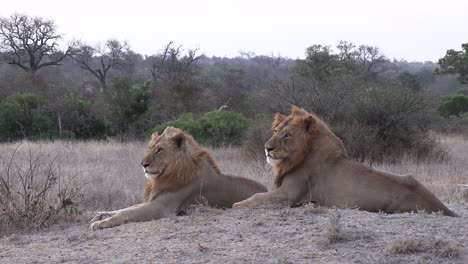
(180, 173)
(312, 165)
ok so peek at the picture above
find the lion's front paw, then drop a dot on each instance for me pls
(107, 223)
(96, 225)
(242, 204)
(101, 216)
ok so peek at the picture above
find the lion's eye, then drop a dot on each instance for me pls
(287, 135)
(159, 150)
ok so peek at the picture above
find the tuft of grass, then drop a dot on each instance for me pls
(436, 247)
(313, 209)
(445, 250)
(405, 246)
(334, 232)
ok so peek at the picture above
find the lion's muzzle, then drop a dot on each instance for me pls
(271, 158)
(152, 175)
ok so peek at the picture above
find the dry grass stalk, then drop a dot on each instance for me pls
(334, 231)
(33, 192)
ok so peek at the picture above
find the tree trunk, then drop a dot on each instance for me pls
(102, 81)
(59, 124)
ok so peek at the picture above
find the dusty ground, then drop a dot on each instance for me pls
(263, 235)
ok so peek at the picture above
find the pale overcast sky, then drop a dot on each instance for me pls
(413, 30)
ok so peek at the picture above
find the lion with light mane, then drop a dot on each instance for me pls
(312, 165)
(180, 173)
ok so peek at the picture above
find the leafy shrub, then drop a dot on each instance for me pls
(215, 128)
(223, 127)
(453, 105)
(453, 125)
(128, 105)
(463, 91)
(22, 116)
(395, 123)
(80, 122)
(184, 122)
(359, 139)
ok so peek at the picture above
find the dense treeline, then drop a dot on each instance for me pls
(382, 108)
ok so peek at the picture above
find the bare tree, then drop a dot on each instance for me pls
(368, 58)
(99, 60)
(169, 64)
(346, 50)
(329, 99)
(157, 62)
(30, 43)
(181, 66)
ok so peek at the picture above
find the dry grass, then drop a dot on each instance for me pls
(33, 191)
(113, 177)
(441, 178)
(334, 232)
(110, 170)
(436, 247)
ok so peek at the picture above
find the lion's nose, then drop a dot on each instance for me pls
(144, 164)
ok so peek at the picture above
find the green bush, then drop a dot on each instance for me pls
(184, 122)
(223, 127)
(128, 105)
(453, 105)
(463, 91)
(217, 128)
(21, 116)
(80, 122)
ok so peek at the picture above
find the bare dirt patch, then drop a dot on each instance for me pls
(261, 235)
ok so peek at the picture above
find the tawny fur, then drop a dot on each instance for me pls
(183, 173)
(312, 165)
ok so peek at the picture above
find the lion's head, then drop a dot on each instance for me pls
(293, 138)
(173, 160)
(290, 137)
(163, 151)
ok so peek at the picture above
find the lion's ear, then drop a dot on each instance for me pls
(309, 122)
(278, 119)
(153, 139)
(297, 111)
(154, 136)
(178, 139)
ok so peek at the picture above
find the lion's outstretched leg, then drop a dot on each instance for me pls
(262, 198)
(106, 214)
(103, 215)
(289, 192)
(164, 205)
(141, 212)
